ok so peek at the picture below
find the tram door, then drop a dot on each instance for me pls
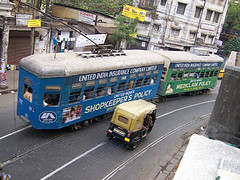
(25, 103)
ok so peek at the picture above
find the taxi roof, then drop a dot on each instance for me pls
(137, 107)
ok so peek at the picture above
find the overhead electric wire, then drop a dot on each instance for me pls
(56, 19)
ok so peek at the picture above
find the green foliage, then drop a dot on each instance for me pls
(125, 27)
(108, 7)
(232, 45)
(233, 16)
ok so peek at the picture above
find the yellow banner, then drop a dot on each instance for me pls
(133, 12)
(133, 35)
(34, 23)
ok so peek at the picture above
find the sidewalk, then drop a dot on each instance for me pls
(12, 82)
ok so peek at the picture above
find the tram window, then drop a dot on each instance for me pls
(154, 79)
(197, 74)
(211, 73)
(27, 92)
(173, 77)
(207, 73)
(111, 88)
(51, 99)
(179, 76)
(102, 81)
(77, 86)
(53, 88)
(130, 84)
(139, 82)
(146, 81)
(121, 86)
(27, 81)
(90, 83)
(75, 97)
(101, 91)
(202, 74)
(114, 79)
(133, 76)
(216, 73)
(185, 75)
(156, 72)
(191, 75)
(149, 73)
(88, 93)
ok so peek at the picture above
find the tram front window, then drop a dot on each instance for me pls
(51, 99)
(27, 92)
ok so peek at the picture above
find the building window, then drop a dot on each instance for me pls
(210, 39)
(203, 37)
(209, 15)
(181, 8)
(198, 12)
(163, 2)
(216, 17)
(192, 35)
(175, 32)
(146, 2)
(156, 27)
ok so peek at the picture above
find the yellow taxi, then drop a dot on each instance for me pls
(132, 121)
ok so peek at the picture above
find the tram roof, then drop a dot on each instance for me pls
(185, 57)
(70, 64)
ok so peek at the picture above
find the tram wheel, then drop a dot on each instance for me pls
(164, 98)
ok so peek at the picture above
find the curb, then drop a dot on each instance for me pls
(8, 91)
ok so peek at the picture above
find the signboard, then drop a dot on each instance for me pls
(22, 19)
(87, 18)
(34, 23)
(97, 38)
(195, 65)
(133, 12)
(110, 74)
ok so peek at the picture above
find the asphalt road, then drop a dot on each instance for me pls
(88, 154)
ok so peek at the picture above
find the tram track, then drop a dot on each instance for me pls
(35, 148)
(152, 144)
(31, 150)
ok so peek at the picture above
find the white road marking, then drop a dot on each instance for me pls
(103, 143)
(185, 108)
(119, 168)
(73, 160)
(15, 132)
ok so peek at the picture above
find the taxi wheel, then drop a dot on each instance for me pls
(133, 144)
(109, 136)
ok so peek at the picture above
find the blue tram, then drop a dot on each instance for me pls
(55, 92)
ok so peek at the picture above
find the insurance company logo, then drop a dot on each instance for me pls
(48, 117)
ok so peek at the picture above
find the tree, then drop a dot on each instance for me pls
(125, 28)
(232, 45)
(107, 7)
(232, 21)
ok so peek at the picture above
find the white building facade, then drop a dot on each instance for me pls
(181, 24)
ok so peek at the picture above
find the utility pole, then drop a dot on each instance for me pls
(4, 50)
(5, 8)
(33, 29)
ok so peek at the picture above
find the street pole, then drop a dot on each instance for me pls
(4, 49)
(33, 30)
